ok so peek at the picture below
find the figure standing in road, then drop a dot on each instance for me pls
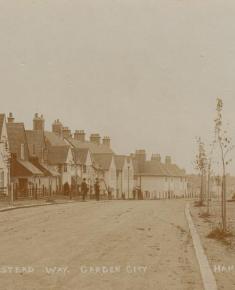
(84, 189)
(97, 189)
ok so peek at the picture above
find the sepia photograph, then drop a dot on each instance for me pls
(117, 145)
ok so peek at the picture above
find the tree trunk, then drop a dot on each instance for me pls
(224, 217)
(208, 193)
(201, 189)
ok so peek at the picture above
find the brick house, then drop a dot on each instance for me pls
(24, 174)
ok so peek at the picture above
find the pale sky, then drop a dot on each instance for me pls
(146, 73)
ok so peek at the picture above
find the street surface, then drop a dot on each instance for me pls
(113, 245)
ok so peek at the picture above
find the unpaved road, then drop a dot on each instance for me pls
(147, 241)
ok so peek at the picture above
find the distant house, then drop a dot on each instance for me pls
(4, 157)
(157, 179)
(83, 157)
(60, 158)
(108, 170)
(39, 154)
(101, 156)
(24, 174)
(125, 176)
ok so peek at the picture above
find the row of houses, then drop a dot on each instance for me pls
(40, 161)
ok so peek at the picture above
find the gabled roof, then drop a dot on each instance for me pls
(36, 142)
(53, 139)
(16, 137)
(43, 167)
(156, 168)
(153, 167)
(119, 161)
(23, 168)
(57, 154)
(174, 170)
(80, 155)
(94, 148)
(30, 167)
(104, 160)
(2, 118)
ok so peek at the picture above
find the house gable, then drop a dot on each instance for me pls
(70, 158)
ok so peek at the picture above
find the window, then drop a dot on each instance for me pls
(65, 168)
(84, 168)
(6, 146)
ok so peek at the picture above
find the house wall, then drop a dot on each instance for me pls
(90, 173)
(110, 179)
(159, 186)
(68, 169)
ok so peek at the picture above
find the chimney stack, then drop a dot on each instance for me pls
(140, 157)
(80, 135)
(95, 138)
(156, 157)
(168, 160)
(57, 127)
(107, 141)
(38, 123)
(10, 118)
(66, 132)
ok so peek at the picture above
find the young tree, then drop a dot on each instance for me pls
(200, 165)
(225, 147)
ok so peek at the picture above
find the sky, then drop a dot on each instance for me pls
(144, 72)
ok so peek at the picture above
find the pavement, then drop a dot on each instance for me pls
(98, 245)
(6, 206)
(220, 253)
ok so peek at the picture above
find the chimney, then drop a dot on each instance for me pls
(57, 127)
(168, 160)
(107, 141)
(10, 118)
(95, 138)
(66, 132)
(38, 123)
(156, 157)
(80, 135)
(140, 156)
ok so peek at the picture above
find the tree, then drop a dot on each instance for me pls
(209, 173)
(200, 165)
(225, 147)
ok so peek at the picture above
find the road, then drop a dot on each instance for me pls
(97, 246)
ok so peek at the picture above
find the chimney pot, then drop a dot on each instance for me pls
(95, 138)
(57, 127)
(10, 118)
(80, 135)
(38, 123)
(156, 157)
(107, 141)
